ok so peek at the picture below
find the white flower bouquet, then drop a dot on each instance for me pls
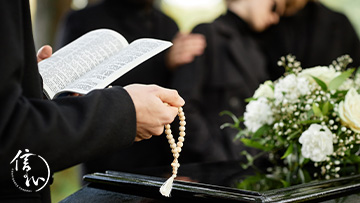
(309, 117)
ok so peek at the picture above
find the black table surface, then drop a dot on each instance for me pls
(208, 182)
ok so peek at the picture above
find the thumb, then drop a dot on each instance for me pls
(44, 52)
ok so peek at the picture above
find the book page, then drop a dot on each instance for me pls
(79, 57)
(117, 65)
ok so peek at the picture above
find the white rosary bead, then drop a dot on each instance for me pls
(173, 146)
(180, 144)
(181, 139)
(182, 128)
(168, 131)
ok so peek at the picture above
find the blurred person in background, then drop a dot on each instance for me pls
(313, 33)
(229, 71)
(136, 19)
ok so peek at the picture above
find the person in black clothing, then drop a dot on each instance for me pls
(67, 130)
(314, 34)
(136, 19)
(228, 72)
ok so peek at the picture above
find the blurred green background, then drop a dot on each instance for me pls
(187, 13)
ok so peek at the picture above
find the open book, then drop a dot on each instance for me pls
(93, 61)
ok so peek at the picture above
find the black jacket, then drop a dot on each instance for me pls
(316, 35)
(228, 72)
(64, 131)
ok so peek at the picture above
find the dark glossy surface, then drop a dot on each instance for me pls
(211, 182)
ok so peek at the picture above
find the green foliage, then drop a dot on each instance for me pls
(316, 110)
(288, 151)
(320, 83)
(339, 80)
(257, 144)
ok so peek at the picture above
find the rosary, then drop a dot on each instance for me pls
(175, 149)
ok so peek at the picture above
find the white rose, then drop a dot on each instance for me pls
(265, 90)
(349, 110)
(324, 73)
(258, 112)
(317, 143)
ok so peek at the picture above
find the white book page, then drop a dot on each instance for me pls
(117, 65)
(77, 58)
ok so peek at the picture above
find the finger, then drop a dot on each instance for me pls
(170, 96)
(140, 137)
(174, 112)
(44, 52)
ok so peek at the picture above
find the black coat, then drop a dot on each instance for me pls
(228, 72)
(316, 35)
(64, 131)
(132, 22)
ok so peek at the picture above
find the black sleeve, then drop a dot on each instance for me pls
(64, 131)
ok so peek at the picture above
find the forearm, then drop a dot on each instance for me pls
(69, 130)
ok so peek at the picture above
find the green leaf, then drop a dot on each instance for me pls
(326, 108)
(248, 100)
(254, 144)
(294, 134)
(320, 83)
(240, 134)
(338, 81)
(226, 125)
(285, 183)
(357, 73)
(261, 131)
(316, 110)
(235, 119)
(354, 158)
(288, 151)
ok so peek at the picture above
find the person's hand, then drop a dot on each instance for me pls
(151, 112)
(44, 53)
(185, 48)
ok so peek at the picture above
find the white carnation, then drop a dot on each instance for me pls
(317, 143)
(291, 88)
(258, 112)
